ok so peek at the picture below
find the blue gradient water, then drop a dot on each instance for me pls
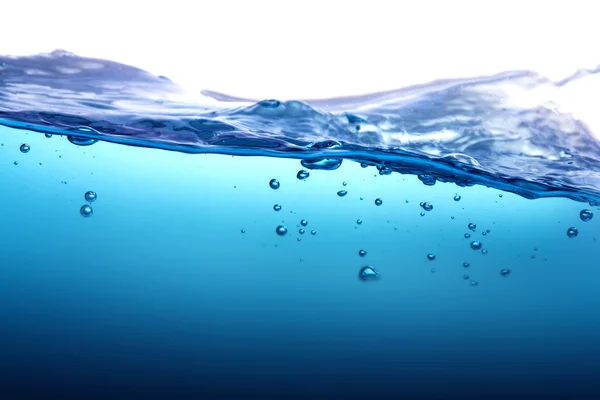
(178, 286)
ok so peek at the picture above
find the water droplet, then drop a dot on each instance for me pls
(378, 202)
(302, 174)
(90, 196)
(342, 193)
(472, 226)
(457, 198)
(359, 221)
(274, 183)
(572, 232)
(304, 222)
(344, 183)
(48, 135)
(277, 207)
(427, 206)
(25, 148)
(474, 283)
(586, 215)
(301, 231)
(86, 211)
(467, 235)
(281, 230)
(466, 277)
(484, 252)
(431, 257)
(368, 273)
(476, 245)
(505, 272)
(313, 232)
(466, 264)
(362, 253)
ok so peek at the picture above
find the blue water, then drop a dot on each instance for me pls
(178, 286)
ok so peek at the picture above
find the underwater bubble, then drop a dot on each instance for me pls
(431, 257)
(25, 148)
(359, 221)
(422, 213)
(484, 252)
(487, 231)
(243, 231)
(327, 164)
(302, 174)
(368, 273)
(586, 215)
(466, 264)
(274, 183)
(16, 163)
(281, 230)
(277, 207)
(81, 141)
(378, 202)
(505, 272)
(428, 180)
(86, 211)
(467, 235)
(484, 233)
(301, 231)
(48, 135)
(472, 226)
(433, 270)
(572, 232)
(361, 198)
(465, 277)
(299, 239)
(344, 183)
(533, 256)
(500, 195)
(457, 198)
(90, 196)
(474, 283)
(427, 206)
(362, 253)
(364, 165)
(303, 222)
(342, 193)
(313, 232)
(476, 245)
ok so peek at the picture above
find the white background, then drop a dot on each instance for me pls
(311, 49)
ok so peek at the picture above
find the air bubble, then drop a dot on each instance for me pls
(274, 183)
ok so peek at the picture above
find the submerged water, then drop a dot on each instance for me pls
(375, 246)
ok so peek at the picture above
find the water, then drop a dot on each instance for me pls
(152, 242)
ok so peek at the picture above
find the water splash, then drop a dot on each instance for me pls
(500, 131)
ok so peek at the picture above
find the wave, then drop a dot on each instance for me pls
(500, 131)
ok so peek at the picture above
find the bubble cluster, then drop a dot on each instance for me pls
(274, 184)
